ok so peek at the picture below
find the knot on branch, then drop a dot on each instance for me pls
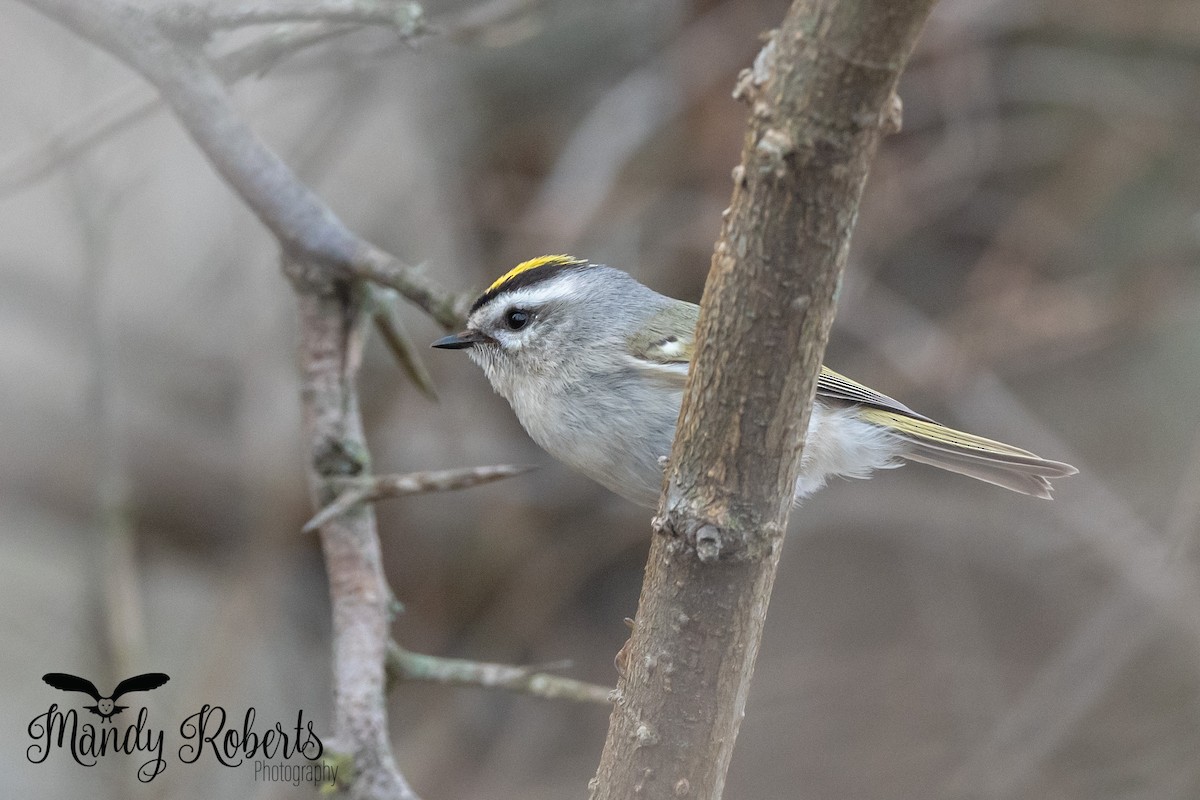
(750, 81)
(708, 543)
(409, 20)
(645, 736)
(310, 277)
(893, 115)
(339, 458)
(706, 539)
(773, 149)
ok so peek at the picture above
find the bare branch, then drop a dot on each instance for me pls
(130, 105)
(304, 226)
(191, 19)
(391, 330)
(479, 20)
(355, 491)
(357, 586)
(320, 254)
(260, 55)
(627, 115)
(62, 146)
(372, 264)
(117, 113)
(325, 262)
(820, 94)
(405, 665)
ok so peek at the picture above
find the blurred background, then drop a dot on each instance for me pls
(1025, 266)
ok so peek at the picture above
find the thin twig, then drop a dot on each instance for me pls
(1097, 512)
(627, 116)
(391, 330)
(1182, 523)
(1062, 693)
(191, 19)
(1067, 687)
(355, 491)
(405, 665)
(133, 103)
(476, 21)
(60, 147)
(123, 633)
(118, 113)
(258, 56)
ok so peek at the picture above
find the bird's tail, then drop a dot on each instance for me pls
(971, 455)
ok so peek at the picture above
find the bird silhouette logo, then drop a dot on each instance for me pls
(106, 707)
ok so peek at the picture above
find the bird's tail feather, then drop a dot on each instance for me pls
(967, 454)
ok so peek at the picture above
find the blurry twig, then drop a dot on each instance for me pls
(354, 491)
(122, 633)
(486, 18)
(1065, 689)
(191, 19)
(405, 665)
(1057, 699)
(629, 114)
(917, 347)
(77, 136)
(391, 330)
(303, 224)
(1184, 520)
(133, 104)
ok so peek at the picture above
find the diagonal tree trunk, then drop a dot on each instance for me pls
(822, 94)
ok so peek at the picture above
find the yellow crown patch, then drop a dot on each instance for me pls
(528, 273)
(560, 260)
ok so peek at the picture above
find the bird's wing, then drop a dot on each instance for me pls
(834, 386)
(140, 683)
(663, 347)
(71, 683)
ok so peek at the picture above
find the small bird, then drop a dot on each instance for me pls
(594, 364)
(106, 707)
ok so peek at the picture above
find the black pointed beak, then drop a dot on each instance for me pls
(460, 341)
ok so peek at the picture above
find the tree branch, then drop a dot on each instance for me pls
(305, 227)
(188, 19)
(368, 489)
(405, 665)
(323, 259)
(116, 113)
(329, 318)
(133, 103)
(821, 95)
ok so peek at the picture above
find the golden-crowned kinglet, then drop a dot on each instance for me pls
(593, 363)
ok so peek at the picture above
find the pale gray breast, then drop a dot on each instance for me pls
(612, 427)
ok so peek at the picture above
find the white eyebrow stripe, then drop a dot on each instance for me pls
(556, 289)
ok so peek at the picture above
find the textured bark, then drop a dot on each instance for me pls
(331, 327)
(822, 95)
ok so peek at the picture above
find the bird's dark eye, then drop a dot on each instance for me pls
(516, 319)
